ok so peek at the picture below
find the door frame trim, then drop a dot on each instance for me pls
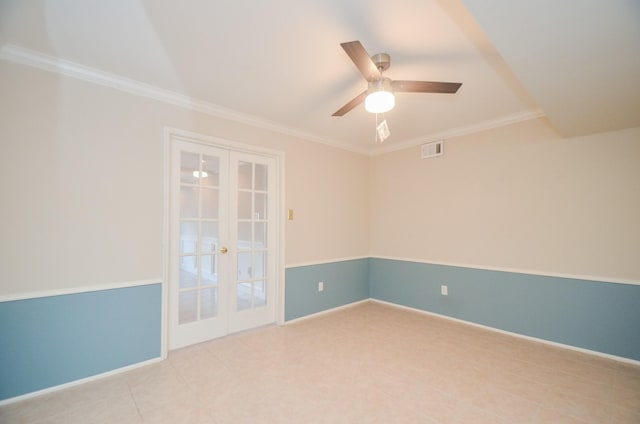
(171, 134)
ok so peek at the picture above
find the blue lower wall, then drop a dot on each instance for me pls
(344, 282)
(48, 341)
(599, 316)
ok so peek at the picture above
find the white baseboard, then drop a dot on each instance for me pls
(327, 311)
(78, 382)
(509, 333)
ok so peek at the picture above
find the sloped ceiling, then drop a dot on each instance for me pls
(278, 64)
(580, 60)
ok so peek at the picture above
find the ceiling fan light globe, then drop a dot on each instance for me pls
(380, 102)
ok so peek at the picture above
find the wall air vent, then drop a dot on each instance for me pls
(430, 150)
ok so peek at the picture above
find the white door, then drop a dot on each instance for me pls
(221, 243)
(253, 206)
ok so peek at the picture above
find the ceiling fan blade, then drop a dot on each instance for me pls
(361, 59)
(425, 86)
(353, 103)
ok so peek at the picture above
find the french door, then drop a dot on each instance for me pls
(222, 239)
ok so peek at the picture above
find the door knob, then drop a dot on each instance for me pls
(223, 250)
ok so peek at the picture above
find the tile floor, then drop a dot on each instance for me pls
(369, 363)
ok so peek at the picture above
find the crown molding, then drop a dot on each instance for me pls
(53, 64)
(48, 63)
(461, 131)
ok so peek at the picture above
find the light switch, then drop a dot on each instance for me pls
(290, 216)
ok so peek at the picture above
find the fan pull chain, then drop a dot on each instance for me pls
(382, 130)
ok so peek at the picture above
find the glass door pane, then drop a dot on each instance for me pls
(199, 221)
(199, 229)
(252, 222)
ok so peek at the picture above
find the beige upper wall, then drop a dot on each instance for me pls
(518, 197)
(82, 192)
(82, 184)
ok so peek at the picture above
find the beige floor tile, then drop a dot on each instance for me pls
(627, 399)
(94, 398)
(110, 411)
(30, 410)
(369, 363)
(580, 407)
(628, 370)
(532, 390)
(588, 387)
(513, 408)
(628, 378)
(438, 406)
(189, 413)
(624, 416)
(553, 416)
(475, 415)
(158, 387)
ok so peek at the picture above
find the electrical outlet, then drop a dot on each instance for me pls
(444, 290)
(321, 286)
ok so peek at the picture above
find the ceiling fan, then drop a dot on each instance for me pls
(379, 96)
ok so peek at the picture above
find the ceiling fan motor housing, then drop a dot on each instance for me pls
(382, 61)
(383, 84)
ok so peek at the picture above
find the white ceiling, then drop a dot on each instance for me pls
(579, 59)
(279, 63)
